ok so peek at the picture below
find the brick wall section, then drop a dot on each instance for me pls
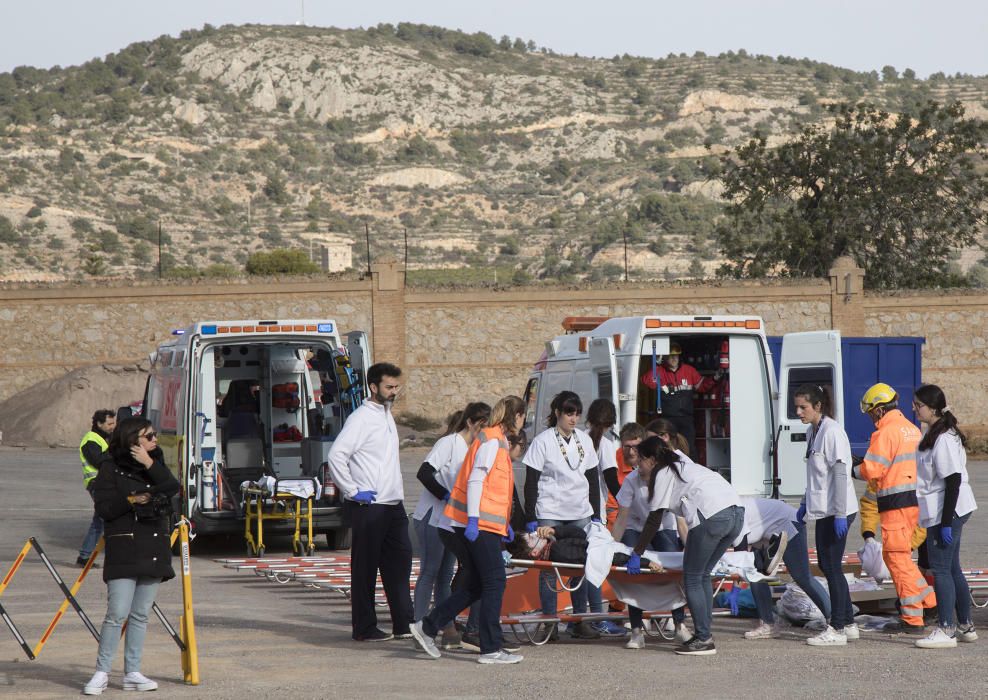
(475, 345)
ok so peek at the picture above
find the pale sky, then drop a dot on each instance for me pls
(925, 35)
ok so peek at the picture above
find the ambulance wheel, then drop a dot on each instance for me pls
(338, 539)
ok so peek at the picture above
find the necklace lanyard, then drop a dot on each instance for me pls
(562, 449)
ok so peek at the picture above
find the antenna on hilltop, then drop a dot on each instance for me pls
(302, 22)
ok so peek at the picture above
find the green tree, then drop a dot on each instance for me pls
(280, 262)
(8, 234)
(898, 195)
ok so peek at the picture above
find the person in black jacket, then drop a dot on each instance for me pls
(132, 493)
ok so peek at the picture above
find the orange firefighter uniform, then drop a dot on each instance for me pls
(891, 464)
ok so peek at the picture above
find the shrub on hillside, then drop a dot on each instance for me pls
(280, 262)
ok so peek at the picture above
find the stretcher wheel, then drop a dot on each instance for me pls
(260, 551)
(297, 548)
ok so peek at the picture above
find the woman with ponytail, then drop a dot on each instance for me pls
(714, 518)
(946, 501)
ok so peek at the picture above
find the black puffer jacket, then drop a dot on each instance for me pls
(134, 547)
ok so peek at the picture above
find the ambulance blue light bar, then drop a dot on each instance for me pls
(178, 331)
(325, 327)
(208, 330)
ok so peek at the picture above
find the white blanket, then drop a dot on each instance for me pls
(301, 488)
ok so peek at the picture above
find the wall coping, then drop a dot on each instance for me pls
(77, 294)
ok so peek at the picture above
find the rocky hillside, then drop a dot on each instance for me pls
(495, 157)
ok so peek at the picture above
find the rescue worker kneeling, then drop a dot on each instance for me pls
(891, 464)
(480, 508)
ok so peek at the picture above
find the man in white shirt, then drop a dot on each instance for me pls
(364, 464)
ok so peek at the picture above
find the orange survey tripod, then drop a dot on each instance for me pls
(185, 637)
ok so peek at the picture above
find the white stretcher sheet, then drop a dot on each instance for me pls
(300, 488)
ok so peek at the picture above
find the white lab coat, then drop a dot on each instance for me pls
(828, 456)
(933, 467)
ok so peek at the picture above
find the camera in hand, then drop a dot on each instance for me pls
(159, 506)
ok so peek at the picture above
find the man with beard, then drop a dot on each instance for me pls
(365, 467)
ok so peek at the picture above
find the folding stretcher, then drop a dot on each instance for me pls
(281, 500)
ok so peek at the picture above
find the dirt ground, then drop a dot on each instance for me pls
(258, 637)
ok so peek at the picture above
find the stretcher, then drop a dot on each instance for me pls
(281, 502)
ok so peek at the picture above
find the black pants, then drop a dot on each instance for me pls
(686, 428)
(380, 542)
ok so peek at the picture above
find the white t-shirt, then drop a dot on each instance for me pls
(764, 517)
(699, 491)
(564, 493)
(634, 496)
(828, 447)
(447, 457)
(606, 459)
(933, 466)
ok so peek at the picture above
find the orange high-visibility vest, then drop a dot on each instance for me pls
(891, 462)
(622, 471)
(499, 486)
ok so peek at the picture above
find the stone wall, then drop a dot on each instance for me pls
(464, 345)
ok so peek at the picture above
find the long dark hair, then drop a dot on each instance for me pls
(676, 440)
(126, 435)
(816, 394)
(474, 411)
(564, 402)
(932, 396)
(655, 448)
(601, 417)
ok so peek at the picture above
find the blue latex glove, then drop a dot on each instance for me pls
(510, 537)
(840, 527)
(365, 497)
(532, 526)
(947, 535)
(595, 520)
(634, 564)
(473, 529)
(446, 497)
(801, 513)
(732, 600)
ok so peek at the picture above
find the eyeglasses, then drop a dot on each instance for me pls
(917, 405)
(149, 436)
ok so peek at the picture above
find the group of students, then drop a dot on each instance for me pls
(653, 496)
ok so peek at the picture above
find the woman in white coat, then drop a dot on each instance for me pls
(946, 501)
(830, 501)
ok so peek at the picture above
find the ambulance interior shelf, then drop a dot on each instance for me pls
(711, 409)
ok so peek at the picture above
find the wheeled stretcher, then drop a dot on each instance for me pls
(279, 499)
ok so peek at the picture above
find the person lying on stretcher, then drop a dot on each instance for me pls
(565, 544)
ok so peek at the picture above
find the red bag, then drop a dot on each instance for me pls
(285, 396)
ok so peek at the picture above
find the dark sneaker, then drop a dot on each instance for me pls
(583, 630)
(912, 630)
(696, 647)
(81, 563)
(375, 636)
(776, 550)
(403, 635)
(471, 642)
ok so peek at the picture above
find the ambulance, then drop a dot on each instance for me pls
(233, 401)
(746, 427)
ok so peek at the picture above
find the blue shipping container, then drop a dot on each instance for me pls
(895, 361)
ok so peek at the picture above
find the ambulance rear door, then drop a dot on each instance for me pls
(807, 358)
(359, 349)
(603, 370)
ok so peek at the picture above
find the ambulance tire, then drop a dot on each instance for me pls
(339, 539)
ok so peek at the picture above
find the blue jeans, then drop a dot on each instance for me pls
(830, 556)
(435, 567)
(456, 545)
(706, 544)
(485, 575)
(128, 599)
(664, 541)
(948, 581)
(92, 537)
(583, 595)
(797, 562)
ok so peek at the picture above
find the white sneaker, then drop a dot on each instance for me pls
(852, 632)
(135, 680)
(500, 657)
(966, 634)
(637, 640)
(937, 639)
(763, 631)
(828, 638)
(424, 641)
(683, 634)
(97, 684)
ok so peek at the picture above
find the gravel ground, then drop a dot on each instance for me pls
(261, 637)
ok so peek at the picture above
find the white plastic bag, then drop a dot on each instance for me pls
(872, 563)
(797, 608)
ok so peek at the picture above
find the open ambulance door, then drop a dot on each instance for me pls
(807, 358)
(359, 349)
(201, 482)
(603, 371)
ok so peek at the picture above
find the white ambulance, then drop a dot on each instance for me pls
(233, 401)
(746, 427)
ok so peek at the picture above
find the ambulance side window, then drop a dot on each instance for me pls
(531, 404)
(818, 376)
